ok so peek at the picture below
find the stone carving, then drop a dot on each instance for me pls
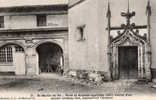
(129, 37)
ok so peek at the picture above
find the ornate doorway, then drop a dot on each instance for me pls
(129, 52)
(128, 62)
(129, 58)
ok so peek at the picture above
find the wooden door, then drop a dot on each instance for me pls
(128, 62)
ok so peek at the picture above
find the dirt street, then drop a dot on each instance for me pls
(59, 84)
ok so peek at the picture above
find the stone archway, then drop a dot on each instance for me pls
(50, 58)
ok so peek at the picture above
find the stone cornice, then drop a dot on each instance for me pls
(33, 13)
(34, 8)
(33, 30)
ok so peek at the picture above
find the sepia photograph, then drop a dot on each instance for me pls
(77, 49)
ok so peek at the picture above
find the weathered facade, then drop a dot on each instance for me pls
(104, 40)
(115, 40)
(34, 39)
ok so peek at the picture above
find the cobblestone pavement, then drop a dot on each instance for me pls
(58, 84)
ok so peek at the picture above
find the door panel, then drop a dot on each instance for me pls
(19, 60)
(128, 62)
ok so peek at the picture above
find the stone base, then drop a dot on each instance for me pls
(88, 75)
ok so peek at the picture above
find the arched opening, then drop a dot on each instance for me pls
(12, 59)
(50, 58)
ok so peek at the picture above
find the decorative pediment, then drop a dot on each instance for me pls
(130, 34)
(128, 38)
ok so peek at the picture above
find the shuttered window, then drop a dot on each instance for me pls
(41, 20)
(1, 21)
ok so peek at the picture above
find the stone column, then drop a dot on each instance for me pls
(115, 68)
(148, 63)
(116, 63)
(31, 61)
(139, 63)
(65, 56)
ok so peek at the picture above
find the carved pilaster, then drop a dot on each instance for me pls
(31, 57)
(148, 63)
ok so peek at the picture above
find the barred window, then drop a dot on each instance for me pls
(6, 54)
(19, 49)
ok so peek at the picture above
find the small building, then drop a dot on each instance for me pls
(34, 38)
(113, 37)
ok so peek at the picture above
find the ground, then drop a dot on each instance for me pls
(59, 84)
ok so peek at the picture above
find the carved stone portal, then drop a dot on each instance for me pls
(124, 43)
(129, 39)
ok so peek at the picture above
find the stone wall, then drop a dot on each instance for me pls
(30, 21)
(91, 54)
(153, 35)
(30, 43)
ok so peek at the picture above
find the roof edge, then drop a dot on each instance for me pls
(58, 7)
(73, 3)
(27, 6)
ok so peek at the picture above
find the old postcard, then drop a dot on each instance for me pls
(77, 49)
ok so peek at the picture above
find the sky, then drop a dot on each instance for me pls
(9, 3)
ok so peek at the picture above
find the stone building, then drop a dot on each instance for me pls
(113, 37)
(34, 38)
(104, 39)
